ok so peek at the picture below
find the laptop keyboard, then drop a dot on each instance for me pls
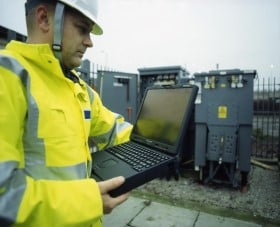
(138, 157)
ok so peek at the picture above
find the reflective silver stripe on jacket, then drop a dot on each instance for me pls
(11, 190)
(111, 135)
(57, 173)
(14, 66)
(90, 94)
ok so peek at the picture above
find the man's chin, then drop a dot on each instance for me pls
(76, 64)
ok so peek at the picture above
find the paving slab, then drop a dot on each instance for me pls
(136, 212)
(124, 213)
(209, 220)
(162, 215)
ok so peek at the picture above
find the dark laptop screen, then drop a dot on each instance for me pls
(161, 115)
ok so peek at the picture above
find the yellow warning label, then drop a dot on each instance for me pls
(222, 112)
(223, 85)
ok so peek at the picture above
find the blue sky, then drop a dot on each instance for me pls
(196, 34)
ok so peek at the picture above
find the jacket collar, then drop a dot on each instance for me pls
(40, 55)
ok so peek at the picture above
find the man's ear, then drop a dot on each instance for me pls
(43, 18)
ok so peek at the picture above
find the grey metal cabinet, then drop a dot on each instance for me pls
(223, 124)
(118, 91)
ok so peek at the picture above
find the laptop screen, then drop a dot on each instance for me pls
(161, 115)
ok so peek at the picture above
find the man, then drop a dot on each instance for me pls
(47, 114)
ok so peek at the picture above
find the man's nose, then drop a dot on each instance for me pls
(88, 42)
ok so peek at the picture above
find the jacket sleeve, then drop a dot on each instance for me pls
(107, 128)
(27, 201)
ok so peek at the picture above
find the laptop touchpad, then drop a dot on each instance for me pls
(107, 163)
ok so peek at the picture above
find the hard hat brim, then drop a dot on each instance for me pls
(96, 29)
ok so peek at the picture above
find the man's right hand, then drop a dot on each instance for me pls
(109, 203)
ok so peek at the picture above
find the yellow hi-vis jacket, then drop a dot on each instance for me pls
(45, 122)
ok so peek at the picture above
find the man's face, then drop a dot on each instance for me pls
(76, 38)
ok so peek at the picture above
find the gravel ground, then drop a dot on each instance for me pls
(261, 200)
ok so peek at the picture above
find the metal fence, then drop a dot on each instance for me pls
(266, 121)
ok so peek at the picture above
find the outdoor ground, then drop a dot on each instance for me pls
(261, 201)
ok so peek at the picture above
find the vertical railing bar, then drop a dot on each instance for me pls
(257, 111)
(268, 149)
(273, 116)
(262, 120)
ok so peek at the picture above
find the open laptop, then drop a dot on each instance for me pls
(155, 142)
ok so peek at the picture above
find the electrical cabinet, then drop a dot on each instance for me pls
(223, 124)
(118, 91)
(166, 75)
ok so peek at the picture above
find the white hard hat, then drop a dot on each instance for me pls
(89, 9)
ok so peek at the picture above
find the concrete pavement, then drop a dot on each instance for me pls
(136, 212)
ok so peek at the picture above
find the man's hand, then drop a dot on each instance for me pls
(109, 203)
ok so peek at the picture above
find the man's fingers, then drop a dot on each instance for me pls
(108, 185)
(108, 207)
(120, 199)
(109, 203)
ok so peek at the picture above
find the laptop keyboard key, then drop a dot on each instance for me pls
(136, 156)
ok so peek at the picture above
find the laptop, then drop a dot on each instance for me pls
(155, 145)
